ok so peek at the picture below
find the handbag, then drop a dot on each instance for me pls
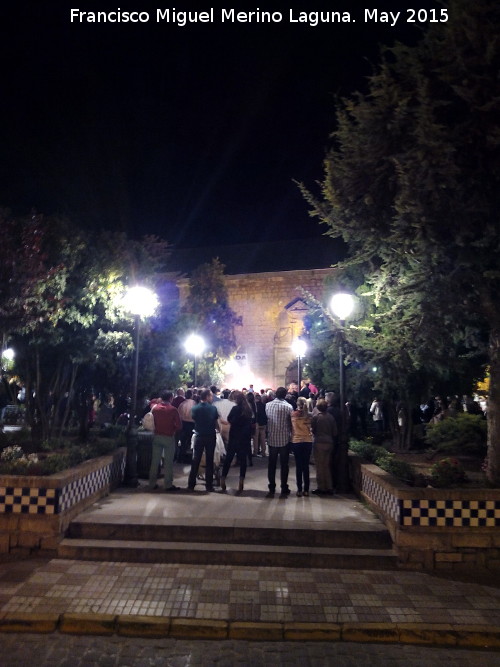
(148, 421)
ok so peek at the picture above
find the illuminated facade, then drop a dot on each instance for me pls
(272, 311)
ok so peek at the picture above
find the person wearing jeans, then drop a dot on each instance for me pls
(302, 445)
(206, 421)
(167, 423)
(279, 428)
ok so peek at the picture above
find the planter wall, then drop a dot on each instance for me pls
(433, 528)
(35, 511)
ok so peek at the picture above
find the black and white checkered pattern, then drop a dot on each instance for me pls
(28, 500)
(42, 500)
(82, 488)
(383, 498)
(458, 513)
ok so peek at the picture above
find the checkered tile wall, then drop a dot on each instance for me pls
(26, 500)
(387, 502)
(425, 512)
(88, 485)
(39, 500)
(458, 513)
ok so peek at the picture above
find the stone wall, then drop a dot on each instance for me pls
(272, 310)
(433, 529)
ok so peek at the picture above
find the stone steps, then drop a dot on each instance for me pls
(238, 542)
(205, 553)
(236, 532)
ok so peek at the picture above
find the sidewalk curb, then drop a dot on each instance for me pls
(439, 634)
(28, 622)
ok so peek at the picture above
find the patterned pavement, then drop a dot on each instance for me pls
(244, 594)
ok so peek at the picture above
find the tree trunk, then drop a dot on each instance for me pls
(493, 465)
(67, 406)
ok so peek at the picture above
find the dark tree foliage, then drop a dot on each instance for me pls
(412, 185)
(207, 313)
(60, 300)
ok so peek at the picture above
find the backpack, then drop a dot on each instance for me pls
(148, 421)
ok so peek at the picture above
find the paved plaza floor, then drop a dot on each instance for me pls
(345, 604)
(251, 507)
(244, 594)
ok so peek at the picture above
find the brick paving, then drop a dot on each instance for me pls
(235, 593)
(352, 604)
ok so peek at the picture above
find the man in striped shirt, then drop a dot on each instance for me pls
(279, 430)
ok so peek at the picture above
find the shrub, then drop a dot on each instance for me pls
(463, 434)
(366, 450)
(400, 469)
(448, 472)
(15, 461)
(384, 459)
(12, 453)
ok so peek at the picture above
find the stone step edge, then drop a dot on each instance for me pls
(472, 636)
(331, 525)
(76, 543)
(379, 537)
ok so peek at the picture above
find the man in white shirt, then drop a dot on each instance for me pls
(224, 406)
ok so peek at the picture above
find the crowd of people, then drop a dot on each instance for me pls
(198, 424)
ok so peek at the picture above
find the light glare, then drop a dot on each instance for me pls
(194, 345)
(342, 305)
(141, 301)
(299, 347)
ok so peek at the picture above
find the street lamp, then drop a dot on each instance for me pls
(342, 305)
(140, 302)
(299, 348)
(194, 345)
(8, 354)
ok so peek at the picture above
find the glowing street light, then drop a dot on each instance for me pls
(342, 305)
(140, 302)
(8, 354)
(194, 345)
(299, 348)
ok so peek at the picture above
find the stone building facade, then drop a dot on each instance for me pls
(272, 311)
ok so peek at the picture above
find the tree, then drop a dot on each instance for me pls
(412, 184)
(208, 313)
(62, 310)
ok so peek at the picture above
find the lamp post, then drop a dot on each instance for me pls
(299, 348)
(194, 345)
(140, 302)
(342, 305)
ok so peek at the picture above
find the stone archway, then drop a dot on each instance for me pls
(289, 325)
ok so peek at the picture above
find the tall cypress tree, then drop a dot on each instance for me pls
(412, 184)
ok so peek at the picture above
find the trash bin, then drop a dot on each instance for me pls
(144, 452)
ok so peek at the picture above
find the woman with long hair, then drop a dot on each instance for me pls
(302, 444)
(251, 402)
(240, 434)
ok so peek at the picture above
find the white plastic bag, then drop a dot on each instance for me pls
(148, 421)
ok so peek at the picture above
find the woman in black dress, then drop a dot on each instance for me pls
(240, 434)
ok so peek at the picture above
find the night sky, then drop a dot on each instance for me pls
(193, 133)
